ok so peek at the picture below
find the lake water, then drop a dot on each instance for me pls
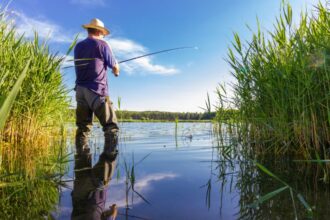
(186, 173)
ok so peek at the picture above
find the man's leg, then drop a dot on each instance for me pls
(84, 120)
(107, 117)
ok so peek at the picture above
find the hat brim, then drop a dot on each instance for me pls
(104, 30)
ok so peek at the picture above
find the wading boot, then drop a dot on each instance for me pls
(110, 144)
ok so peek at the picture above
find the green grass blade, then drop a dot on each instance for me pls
(119, 102)
(118, 174)
(72, 44)
(140, 161)
(12, 184)
(132, 177)
(306, 205)
(268, 196)
(142, 197)
(9, 100)
(208, 194)
(294, 204)
(318, 158)
(2, 99)
(313, 161)
(269, 173)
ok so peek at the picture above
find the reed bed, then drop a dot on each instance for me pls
(282, 88)
(32, 141)
(41, 103)
(26, 197)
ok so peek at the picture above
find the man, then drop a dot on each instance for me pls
(93, 57)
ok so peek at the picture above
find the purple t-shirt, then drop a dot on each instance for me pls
(91, 73)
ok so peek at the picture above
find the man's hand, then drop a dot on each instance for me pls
(115, 70)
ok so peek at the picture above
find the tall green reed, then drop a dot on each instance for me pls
(234, 166)
(285, 187)
(130, 180)
(41, 99)
(7, 102)
(26, 197)
(283, 84)
(32, 138)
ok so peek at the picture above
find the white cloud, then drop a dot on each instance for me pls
(88, 2)
(44, 28)
(146, 64)
(145, 182)
(143, 185)
(126, 49)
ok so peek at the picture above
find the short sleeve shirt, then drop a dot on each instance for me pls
(92, 58)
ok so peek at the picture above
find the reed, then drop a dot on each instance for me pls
(282, 87)
(26, 197)
(130, 179)
(234, 167)
(176, 131)
(33, 105)
(41, 102)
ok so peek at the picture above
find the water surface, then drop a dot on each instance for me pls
(187, 173)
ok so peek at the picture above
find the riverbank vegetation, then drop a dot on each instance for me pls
(282, 89)
(282, 96)
(41, 103)
(31, 142)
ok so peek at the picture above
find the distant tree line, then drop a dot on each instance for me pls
(224, 114)
(166, 116)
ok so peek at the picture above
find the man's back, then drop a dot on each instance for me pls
(91, 69)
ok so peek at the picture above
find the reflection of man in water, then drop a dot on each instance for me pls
(90, 186)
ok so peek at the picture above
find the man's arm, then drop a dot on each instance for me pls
(110, 60)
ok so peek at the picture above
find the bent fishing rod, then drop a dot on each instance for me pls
(134, 58)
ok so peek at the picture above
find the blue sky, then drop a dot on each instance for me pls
(175, 81)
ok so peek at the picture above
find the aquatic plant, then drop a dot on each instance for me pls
(33, 108)
(41, 101)
(176, 131)
(7, 102)
(130, 179)
(282, 88)
(262, 193)
(282, 99)
(26, 197)
(286, 187)
(208, 105)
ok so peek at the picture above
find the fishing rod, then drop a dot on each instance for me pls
(134, 58)
(161, 51)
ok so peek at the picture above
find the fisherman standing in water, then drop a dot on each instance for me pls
(93, 56)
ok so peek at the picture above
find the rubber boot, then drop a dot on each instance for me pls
(110, 143)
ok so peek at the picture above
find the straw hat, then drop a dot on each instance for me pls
(97, 24)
